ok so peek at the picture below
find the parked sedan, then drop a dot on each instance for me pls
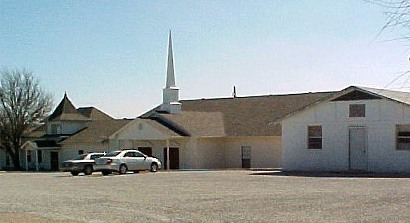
(82, 163)
(122, 161)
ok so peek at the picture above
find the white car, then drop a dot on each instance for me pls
(81, 163)
(122, 161)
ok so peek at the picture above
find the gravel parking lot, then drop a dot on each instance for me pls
(202, 196)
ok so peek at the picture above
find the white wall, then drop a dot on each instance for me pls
(381, 119)
(210, 153)
(201, 152)
(265, 151)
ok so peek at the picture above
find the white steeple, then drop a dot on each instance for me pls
(170, 96)
(170, 67)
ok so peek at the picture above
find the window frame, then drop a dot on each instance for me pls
(309, 137)
(357, 110)
(405, 137)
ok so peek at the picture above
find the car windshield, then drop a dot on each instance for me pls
(80, 157)
(113, 153)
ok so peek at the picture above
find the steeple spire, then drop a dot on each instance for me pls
(170, 67)
(170, 94)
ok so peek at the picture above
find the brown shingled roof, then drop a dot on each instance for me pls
(93, 113)
(97, 131)
(198, 123)
(239, 116)
(66, 111)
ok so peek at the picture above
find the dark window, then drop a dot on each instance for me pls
(315, 137)
(357, 110)
(55, 129)
(96, 156)
(138, 154)
(403, 137)
(80, 152)
(112, 154)
(130, 154)
(39, 156)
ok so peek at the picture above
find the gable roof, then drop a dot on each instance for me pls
(66, 111)
(94, 113)
(398, 96)
(97, 131)
(372, 93)
(239, 116)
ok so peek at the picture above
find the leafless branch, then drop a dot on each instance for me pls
(22, 103)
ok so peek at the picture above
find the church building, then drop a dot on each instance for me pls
(233, 132)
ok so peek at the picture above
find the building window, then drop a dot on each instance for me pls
(357, 110)
(315, 137)
(39, 156)
(80, 152)
(403, 137)
(29, 156)
(55, 129)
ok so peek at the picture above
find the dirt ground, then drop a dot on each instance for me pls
(203, 196)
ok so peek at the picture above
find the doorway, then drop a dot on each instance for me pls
(246, 157)
(54, 161)
(146, 150)
(173, 158)
(358, 148)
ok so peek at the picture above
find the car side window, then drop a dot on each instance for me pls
(128, 154)
(93, 157)
(131, 154)
(138, 154)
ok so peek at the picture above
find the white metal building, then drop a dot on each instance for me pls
(356, 129)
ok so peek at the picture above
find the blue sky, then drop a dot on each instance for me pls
(112, 54)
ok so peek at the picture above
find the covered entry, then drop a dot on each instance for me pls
(152, 139)
(173, 158)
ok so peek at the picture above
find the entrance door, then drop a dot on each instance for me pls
(146, 150)
(54, 161)
(357, 149)
(173, 158)
(246, 157)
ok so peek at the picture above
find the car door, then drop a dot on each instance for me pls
(141, 161)
(130, 160)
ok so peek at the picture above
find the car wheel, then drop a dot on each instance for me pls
(123, 169)
(106, 172)
(74, 173)
(88, 170)
(154, 167)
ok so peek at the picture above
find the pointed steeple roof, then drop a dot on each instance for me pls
(170, 67)
(66, 111)
(170, 94)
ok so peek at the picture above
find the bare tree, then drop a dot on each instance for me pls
(397, 13)
(22, 103)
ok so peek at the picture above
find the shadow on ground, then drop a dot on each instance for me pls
(330, 174)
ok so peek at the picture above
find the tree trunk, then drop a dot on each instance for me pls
(15, 158)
